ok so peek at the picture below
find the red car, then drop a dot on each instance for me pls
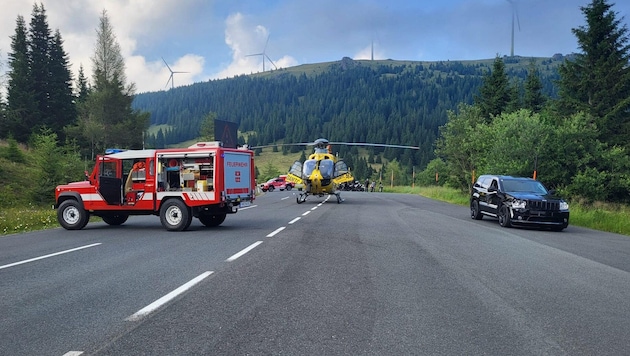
(277, 183)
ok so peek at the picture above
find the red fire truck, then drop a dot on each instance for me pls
(205, 181)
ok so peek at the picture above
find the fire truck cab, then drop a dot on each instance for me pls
(205, 181)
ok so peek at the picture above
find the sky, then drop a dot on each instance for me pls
(216, 39)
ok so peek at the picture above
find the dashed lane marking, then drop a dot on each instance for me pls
(50, 255)
(276, 231)
(244, 251)
(167, 298)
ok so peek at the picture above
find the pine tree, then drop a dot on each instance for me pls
(533, 100)
(597, 80)
(495, 94)
(106, 117)
(21, 110)
(40, 40)
(62, 110)
(82, 85)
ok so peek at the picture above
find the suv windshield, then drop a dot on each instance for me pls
(515, 185)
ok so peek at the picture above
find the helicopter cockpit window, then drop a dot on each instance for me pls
(308, 167)
(326, 167)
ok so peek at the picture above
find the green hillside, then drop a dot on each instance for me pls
(381, 101)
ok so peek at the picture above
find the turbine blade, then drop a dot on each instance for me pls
(274, 65)
(167, 66)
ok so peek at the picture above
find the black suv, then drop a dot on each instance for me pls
(518, 201)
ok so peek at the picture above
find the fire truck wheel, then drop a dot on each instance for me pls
(115, 219)
(212, 220)
(72, 216)
(175, 215)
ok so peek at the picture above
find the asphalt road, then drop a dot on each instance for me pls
(379, 274)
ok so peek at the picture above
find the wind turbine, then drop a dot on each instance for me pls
(264, 55)
(170, 79)
(514, 14)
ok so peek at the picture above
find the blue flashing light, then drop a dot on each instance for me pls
(109, 151)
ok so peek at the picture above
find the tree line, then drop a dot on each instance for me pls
(43, 95)
(61, 120)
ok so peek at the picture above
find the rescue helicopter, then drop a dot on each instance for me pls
(323, 172)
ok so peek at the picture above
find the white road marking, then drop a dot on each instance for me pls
(244, 251)
(306, 213)
(73, 353)
(248, 207)
(276, 231)
(285, 198)
(50, 255)
(315, 207)
(294, 220)
(167, 298)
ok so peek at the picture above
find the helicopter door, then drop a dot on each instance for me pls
(341, 168)
(296, 169)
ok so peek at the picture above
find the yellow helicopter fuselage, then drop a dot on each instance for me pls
(320, 174)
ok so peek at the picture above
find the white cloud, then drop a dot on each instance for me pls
(141, 26)
(245, 42)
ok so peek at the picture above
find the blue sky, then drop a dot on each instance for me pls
(211, 39)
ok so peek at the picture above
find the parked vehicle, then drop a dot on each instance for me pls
(518, 201)
(279, 182)
(205, 181)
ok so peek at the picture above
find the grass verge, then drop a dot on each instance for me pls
(17, 220)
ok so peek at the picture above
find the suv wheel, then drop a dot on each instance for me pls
(504, 216)
(271, 188)
(474, 210)
(289, 187)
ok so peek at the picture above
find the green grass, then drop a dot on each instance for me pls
(18, 220)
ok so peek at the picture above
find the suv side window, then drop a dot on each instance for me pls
(494, 184)
(484, 182)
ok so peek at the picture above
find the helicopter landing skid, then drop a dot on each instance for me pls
(301, 198)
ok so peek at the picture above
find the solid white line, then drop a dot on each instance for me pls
(294, 220)
(46, 256)
(243, 251)
(306, 213)
(165, 299)
(249, 207)
(73, 353)
(276, 231)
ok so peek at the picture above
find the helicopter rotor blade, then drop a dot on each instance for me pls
(338, 143)
(373, 145)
